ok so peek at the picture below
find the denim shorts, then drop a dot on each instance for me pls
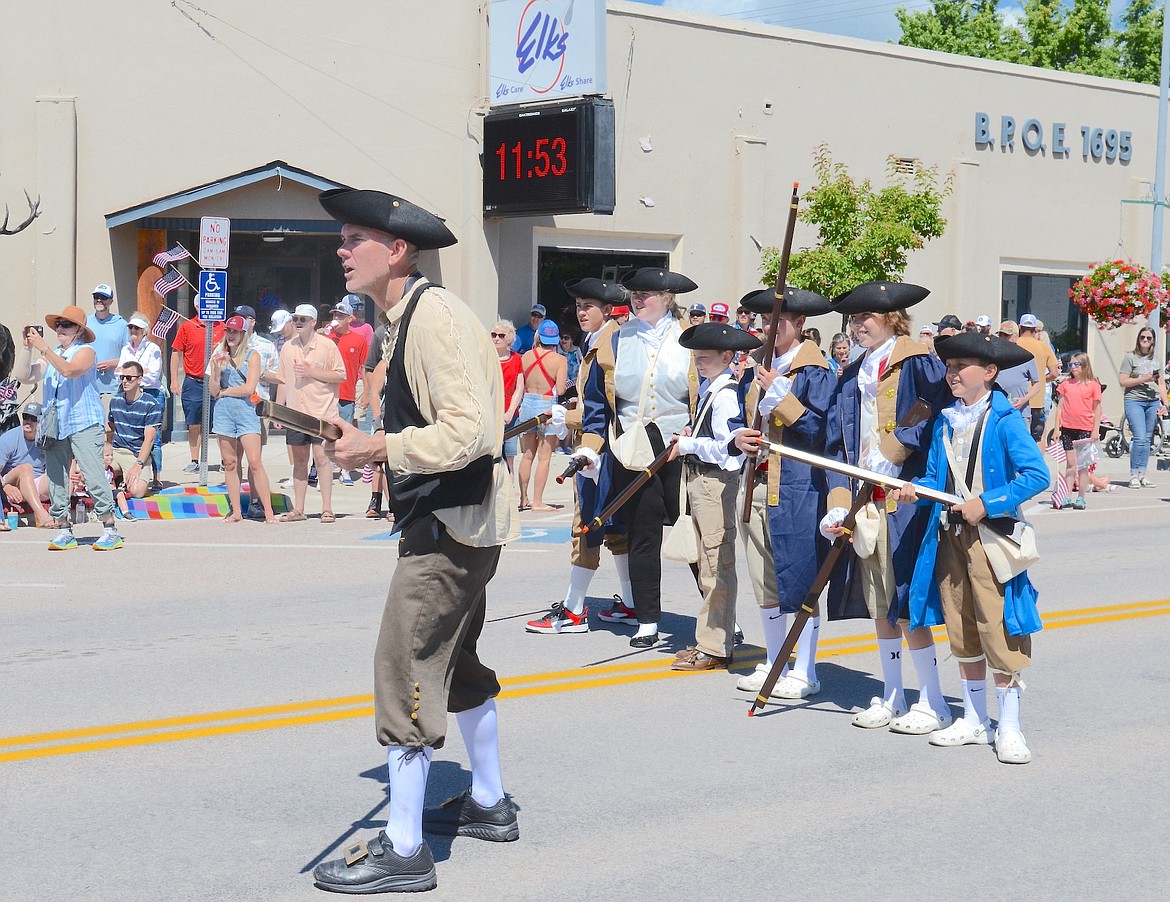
(192, 398)
(531, 406)
(233, 417)
(512, 445)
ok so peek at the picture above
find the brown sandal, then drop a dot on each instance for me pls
(292, 517)
(327, 517)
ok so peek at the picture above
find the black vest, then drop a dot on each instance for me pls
(415, 495)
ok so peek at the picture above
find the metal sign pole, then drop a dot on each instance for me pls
(205, 419)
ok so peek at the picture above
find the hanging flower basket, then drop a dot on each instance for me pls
(1118, 292)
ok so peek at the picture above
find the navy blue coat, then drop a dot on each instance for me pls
(919, 375)
(798, 548)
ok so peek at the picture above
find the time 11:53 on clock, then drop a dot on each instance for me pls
(548, 157)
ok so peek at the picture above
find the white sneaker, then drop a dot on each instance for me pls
(794, 687)
(962, 732)
(877, 715)
(920, 720)
(1010, 747)
(754, 681)
(1146, 484)
(1135, 482)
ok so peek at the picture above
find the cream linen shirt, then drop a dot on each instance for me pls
(454, 374)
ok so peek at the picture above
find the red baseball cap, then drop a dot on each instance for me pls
(620, 310)
(720, 309)
(236, 324)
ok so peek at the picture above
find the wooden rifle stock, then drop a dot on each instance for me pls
(302, 422)
(614, 506)
(537, 420)
(769, 346)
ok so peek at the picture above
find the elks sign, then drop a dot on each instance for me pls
(546, 49)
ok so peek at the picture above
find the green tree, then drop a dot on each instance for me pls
(1072, 37)
(1139, 43)
(863, 233)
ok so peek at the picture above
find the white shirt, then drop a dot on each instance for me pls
(268, 362)
(667, 401)
(724, 408)
(782, 385)
(870, 453)
(148, 354)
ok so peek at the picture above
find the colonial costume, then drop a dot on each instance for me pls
(788, 498)
(640, 393)
(873, 396)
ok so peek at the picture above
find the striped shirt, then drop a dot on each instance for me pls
(130, 420)
(77, 401)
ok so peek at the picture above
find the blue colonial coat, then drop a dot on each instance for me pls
(796, 491)
(912, 373)
(1013, 471)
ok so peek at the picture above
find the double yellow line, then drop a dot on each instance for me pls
(295, 714)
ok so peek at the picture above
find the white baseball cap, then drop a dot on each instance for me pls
(103, 290)
(280, 319)
(1027, 321)
(138, 320)
(305, 310)
(983, 322)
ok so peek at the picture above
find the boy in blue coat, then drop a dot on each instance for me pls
(988, 622)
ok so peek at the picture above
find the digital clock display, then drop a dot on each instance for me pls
(545, 160)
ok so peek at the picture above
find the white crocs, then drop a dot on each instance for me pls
(1010, 747)
(920, 720)
(877, 715)
(794, 687)
(754, 681)
(962, 732)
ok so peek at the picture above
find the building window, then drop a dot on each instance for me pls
(1046, 297)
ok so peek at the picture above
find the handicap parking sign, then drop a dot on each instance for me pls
(212, 299)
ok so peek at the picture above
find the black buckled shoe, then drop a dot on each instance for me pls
(374, 867)
(463, 816)
(644, 641)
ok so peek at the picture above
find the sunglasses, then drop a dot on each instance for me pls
(301, 320)
(136, 328)
(64, 324)
(100, 299)
(1145, 338)
(499, 335)
(127, 378)
(1074, 365)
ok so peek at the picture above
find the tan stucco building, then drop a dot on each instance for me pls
(131, 120)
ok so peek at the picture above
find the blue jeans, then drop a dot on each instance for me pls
(1142, 415)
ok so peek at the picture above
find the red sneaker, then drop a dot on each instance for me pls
(619, 613)
(560, 620)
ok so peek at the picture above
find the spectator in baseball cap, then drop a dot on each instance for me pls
(984, 324)
(697, 314)
(949, 325)
(720, 312)
(526, 334)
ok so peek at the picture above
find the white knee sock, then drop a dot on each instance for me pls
(646, 629)
(408, 788)
(775, 629)
(579, 579)
(622, 563)
(929, 690)
(1009, 707)
(481, 736)
(975, 700)
(891, 654)
(806, 651)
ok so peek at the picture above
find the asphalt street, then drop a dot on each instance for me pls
(189, 718)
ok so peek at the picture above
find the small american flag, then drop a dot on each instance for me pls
(8, 388)
(1060, 486)
(174, 255)
(169, 282)
(165, 322)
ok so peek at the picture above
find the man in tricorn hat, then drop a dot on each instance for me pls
(865, 426)
(451, 499)
(594, 301)
(788, 499)
(712, 480)
(982, 446)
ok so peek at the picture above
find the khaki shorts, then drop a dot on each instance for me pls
(876, 572)
(972, 603)
(582, 554)
(125, 460)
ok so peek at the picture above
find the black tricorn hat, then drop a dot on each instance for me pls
(717, 337)
(796, 300)
(651, 278)
(387, 213)
(991, 348)
(597, 290)
(879, 297)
